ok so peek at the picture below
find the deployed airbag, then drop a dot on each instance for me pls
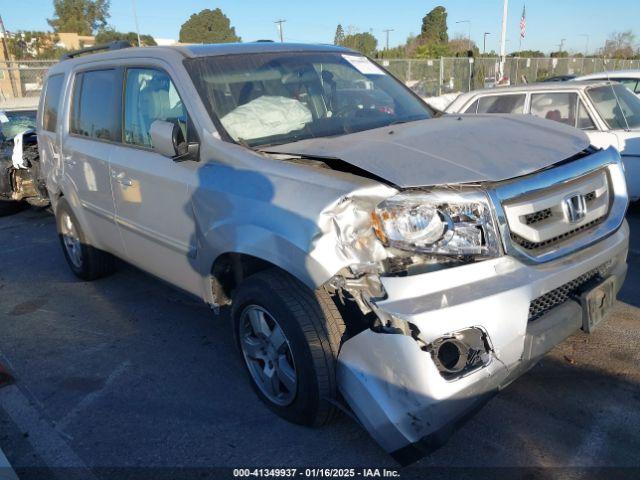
(266, 116)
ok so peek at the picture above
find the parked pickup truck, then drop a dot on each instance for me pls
(372, 253)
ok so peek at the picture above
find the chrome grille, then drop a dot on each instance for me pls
(538, 216)
(558, 296)
(542, 219)
(524, 243)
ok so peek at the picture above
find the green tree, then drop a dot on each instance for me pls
(80, 16)
(559, 54)
(459, 47)
(109, 34)
(339, 38)
(433, 50)
(619, 45)
(434, 26)
(365, 43)
(527, 54)
(208, 26)
(33, 45)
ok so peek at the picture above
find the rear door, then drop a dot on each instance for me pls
(50, 116)
(152, 192)
(94, 129)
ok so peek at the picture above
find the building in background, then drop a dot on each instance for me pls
(10, 84)
(73, 41)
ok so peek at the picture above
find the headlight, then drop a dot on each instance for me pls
(440, 221)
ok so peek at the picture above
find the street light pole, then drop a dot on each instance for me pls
(484, 42)
(135, 18)
(469, 36)
(503, 37)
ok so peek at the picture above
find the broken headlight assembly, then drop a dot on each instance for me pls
(447, 222)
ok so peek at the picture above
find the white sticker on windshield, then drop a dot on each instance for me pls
(363, 65)
(4, 118)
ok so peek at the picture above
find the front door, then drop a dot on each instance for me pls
(152, 193)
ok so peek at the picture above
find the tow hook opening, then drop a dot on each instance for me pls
(460, 353)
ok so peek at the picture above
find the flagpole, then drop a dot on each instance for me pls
(503, 38)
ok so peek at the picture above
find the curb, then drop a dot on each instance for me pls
(6, 472)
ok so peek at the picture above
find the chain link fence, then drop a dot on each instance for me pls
(428, 78)
(22, 79)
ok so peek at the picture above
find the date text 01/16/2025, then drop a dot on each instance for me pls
(316, 472)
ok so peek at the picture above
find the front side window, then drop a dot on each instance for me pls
(559, 107)
(618, 107)
(276, 98)
(501, 104)
(52, 102)
(150, 95)
(96, 105)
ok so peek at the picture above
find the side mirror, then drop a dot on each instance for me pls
(167, 139)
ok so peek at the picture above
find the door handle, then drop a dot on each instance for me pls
(122, 179)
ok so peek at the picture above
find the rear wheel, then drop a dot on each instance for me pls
(85, 261)
(289, 337)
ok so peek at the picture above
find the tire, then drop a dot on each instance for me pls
(86, 262)
(313, 330)
(9, 207)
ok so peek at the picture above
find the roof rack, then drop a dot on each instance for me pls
(115, 45)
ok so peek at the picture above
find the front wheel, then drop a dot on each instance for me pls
(289, 337)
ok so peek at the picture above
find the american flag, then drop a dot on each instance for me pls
(523, 23)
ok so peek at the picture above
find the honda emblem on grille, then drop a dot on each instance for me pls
(575, 207)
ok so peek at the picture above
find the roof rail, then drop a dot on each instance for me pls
(115, 45)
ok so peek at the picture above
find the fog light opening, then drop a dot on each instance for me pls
(452, 355)
(460, 353)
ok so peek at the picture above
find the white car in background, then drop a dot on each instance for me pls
(629, 78)
(608, 112)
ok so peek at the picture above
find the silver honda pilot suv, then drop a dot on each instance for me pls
(374, 254)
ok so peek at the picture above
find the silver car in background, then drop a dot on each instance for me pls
(374, 255)
(608, 112)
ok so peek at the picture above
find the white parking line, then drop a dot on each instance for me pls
(6, 472)
(47, 443)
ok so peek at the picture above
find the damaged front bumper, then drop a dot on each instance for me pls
(397, 390)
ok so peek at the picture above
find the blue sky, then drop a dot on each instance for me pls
(315, 21)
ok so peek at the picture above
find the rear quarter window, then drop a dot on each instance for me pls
(502, 104)
(96, 105)
(53, 92)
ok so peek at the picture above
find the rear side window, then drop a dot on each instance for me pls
(500, 104)
(52, 103)
(96, 107)
(559, 107)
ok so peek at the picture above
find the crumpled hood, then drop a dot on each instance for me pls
(450, 149)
